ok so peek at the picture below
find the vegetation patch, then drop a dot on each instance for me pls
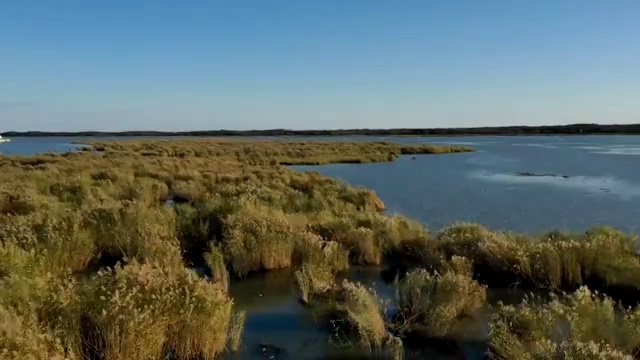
(436, 305)
(602, 258)
(98, 252)
(581, 325)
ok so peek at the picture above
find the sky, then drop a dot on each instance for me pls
(73, 65)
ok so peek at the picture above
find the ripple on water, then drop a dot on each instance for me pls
(591, 184)
(544, 146)
(619, 151)
(465, 143)
(611, 149)
(487, 159)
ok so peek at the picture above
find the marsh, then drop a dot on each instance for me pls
(95, 264)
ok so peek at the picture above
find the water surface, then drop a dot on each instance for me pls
(276, 318)
(33, 145)
(589, 180)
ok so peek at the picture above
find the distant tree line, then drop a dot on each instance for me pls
(574, 129)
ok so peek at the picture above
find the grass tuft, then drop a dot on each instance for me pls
(580, 324)
(435, 304)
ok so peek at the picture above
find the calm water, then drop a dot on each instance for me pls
(275, 317)
(32, 146)
(587, 180)
(597, 182)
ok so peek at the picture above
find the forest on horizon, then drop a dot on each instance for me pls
(573, 129)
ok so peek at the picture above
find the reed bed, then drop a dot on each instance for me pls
(97, 247)
(580, 325)
(435, 305)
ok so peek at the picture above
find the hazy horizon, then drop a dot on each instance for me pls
(170, 66)
(299, 129)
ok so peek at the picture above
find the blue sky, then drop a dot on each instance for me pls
(311, 64)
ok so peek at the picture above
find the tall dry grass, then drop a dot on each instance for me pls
(319, 261)
(216, 262)
(236, 329)
(600, 257)
(22, 337)
(357, 316)
(143, 311)
(434, 305)
(260, 239)
(579, 325)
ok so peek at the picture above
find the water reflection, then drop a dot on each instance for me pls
(275, 318)
(278, 323)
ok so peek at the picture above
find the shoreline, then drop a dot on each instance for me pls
(564, 130)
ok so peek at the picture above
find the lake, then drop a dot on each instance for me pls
(580, 181)
(584, 181)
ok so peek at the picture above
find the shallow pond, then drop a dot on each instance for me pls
(276, 320)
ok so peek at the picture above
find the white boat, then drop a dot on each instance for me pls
(3, 140)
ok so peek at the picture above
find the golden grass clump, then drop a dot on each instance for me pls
(236, 329)
(370, 237)
(362, 242)
(612, 256)
(22, 337)
(143, 189)
(358, 316)
(17, 199)
(432, 149)
(394, 231)
(47, 304)
(565, 261)
(495, 251)
(357, 320)
(588, 351)
(546, 349)
(257, 238)
(14, 259)
(434, 304)
(143, 311)
(134, 231)
(579, 324)
(600, 256)
(319, 262)
(217, 265)
(57, 240)
(200, 224)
